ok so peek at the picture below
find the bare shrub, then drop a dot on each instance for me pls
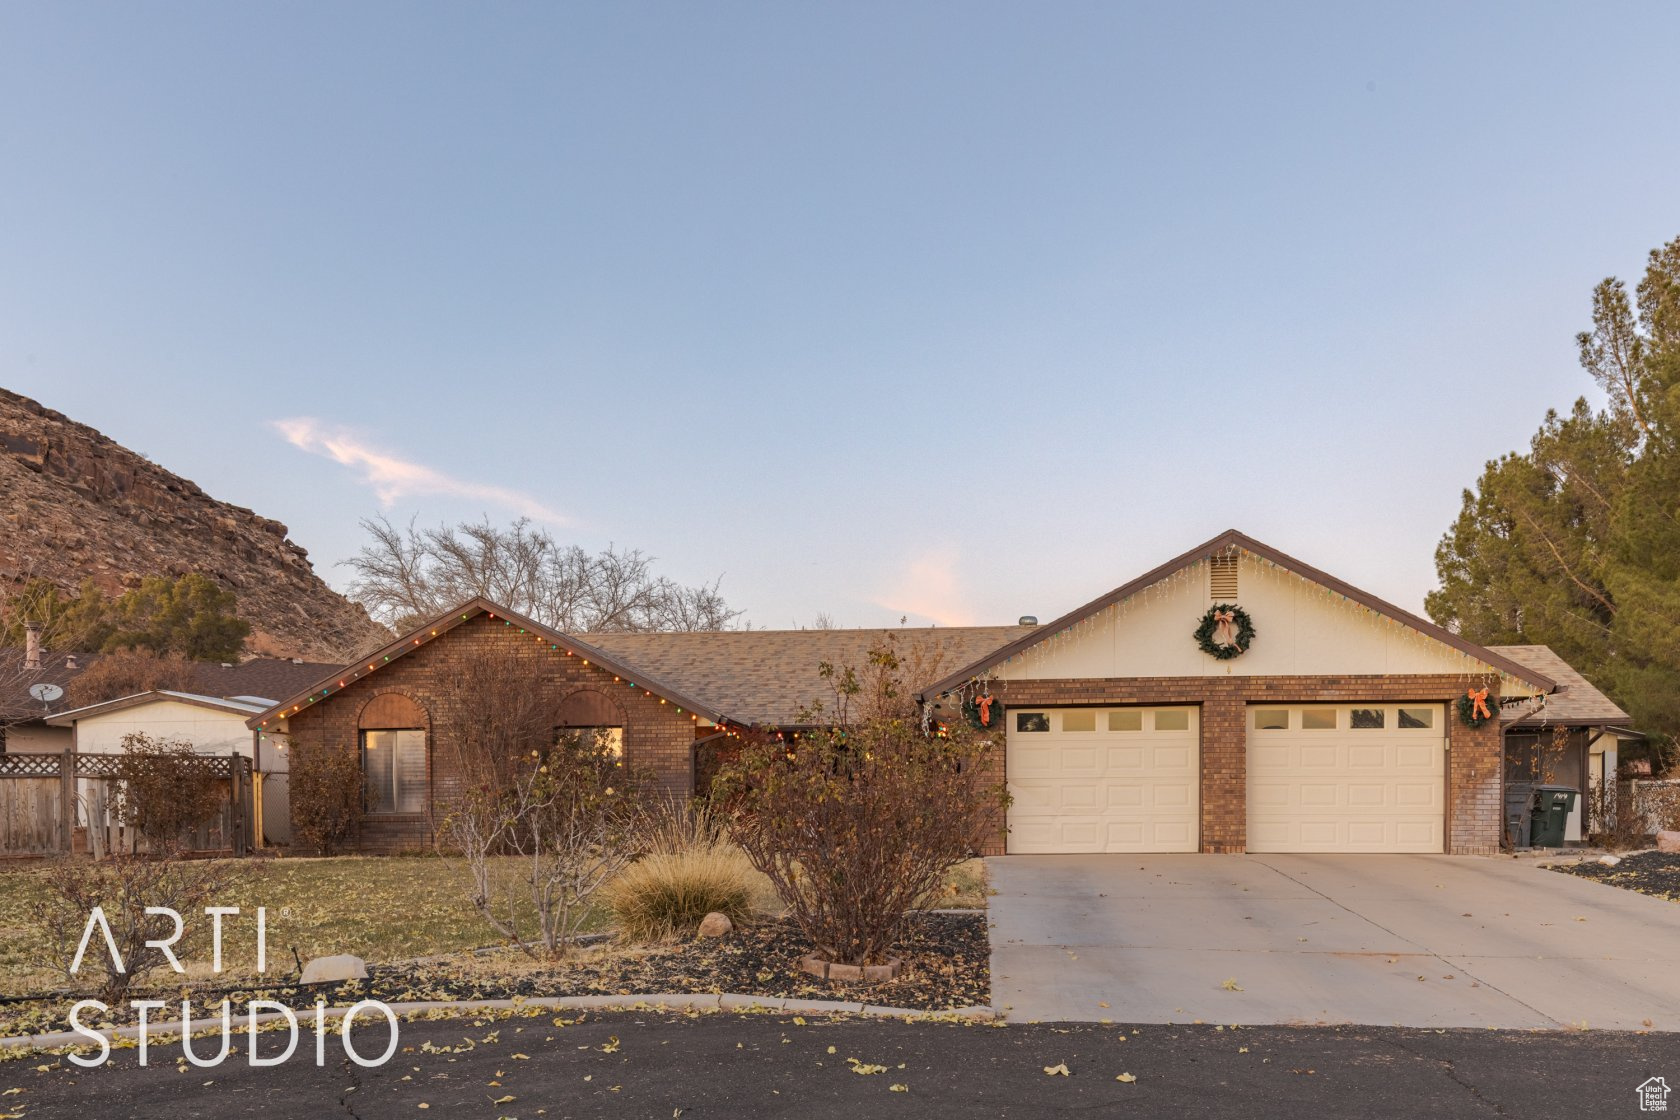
(326, 798)
(561, 802)
(123, 887)
(857, 823)
(166, 790)
(129, 672)
(567, 820)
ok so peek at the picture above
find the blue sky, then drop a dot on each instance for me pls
(959, 311)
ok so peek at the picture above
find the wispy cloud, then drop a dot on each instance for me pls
(393, 478)
(929, 588)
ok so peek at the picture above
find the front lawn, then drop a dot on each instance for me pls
(384, 909)
(379, 908)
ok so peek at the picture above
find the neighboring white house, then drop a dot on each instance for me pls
(213, 725)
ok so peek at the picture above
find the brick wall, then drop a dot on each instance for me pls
(1474, 759)
(656, 736)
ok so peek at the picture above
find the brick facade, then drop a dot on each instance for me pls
(657, 737)
(1474, 761)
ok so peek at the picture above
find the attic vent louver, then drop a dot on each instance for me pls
(1222, 579)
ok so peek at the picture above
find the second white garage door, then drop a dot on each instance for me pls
(1103, 780)
(1355, 778)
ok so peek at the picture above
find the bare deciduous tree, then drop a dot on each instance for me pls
(543, 817)
(406, 575)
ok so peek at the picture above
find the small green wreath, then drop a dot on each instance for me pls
(1467, 711)
(988, 719)
(1211, 623)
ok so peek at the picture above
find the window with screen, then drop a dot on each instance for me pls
(394, 771)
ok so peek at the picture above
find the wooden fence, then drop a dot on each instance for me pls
(55, 804)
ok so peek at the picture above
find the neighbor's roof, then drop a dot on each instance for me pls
(1576, 702)
(767, 677)
(336, 679)
(267, 677)
(1225, 544)
(259, 677)
(140, 699)
(16, 681)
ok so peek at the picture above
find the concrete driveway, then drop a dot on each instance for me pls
(1424, 941)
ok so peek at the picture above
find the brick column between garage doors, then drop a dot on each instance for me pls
(1474, 762)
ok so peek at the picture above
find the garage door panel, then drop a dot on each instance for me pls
(1324, 785)
(1121, 786)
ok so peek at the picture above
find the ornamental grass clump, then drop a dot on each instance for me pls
(666, 894)
(857, 822)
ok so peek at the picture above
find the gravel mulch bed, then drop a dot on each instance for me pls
(946, 966)
(1652, 873)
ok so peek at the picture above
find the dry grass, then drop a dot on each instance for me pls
(665, 894)
(380, 908)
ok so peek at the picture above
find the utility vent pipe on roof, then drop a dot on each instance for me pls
(1028, 620)
(1222, 579)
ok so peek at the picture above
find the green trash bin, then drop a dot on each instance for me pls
(1552, 806)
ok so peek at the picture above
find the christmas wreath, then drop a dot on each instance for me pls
(983, 712)
(1473, 710)
(1226, 631)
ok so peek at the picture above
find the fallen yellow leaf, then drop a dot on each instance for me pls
(1060, 1069)
(1126, 1077)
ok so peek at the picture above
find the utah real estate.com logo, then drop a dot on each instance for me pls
(1653, 1095)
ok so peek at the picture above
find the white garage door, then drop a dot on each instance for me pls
(1354, 778)
(1103, 780)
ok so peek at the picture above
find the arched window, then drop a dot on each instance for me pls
(395, 777)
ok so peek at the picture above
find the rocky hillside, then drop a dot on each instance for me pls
(75, 505)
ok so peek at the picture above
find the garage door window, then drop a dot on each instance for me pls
(1032, 721)
(1318, 719)
(1172, 720)
(1366, 718)
(1417, 717)
(1131, 720)
(1271, 719)
(1079, 721)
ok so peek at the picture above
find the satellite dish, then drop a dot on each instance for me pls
(45, 692)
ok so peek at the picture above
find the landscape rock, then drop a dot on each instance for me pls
(1668, 841)
(716, 925)
(331, 970)
(1609, 861)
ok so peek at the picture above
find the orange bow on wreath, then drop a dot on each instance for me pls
(1224, 628)
(984, 703)
(1478, 703)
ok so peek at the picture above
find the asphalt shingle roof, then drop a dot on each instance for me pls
(767, 677)
(1575, 702)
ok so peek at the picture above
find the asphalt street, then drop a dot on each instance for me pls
(734, 1066)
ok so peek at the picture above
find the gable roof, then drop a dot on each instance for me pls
(140, 699)
(1226, 542)
(766, 677)
(339, 678)
(1576, 703)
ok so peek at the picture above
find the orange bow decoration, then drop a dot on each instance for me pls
(985, 705)
(1478, 703)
